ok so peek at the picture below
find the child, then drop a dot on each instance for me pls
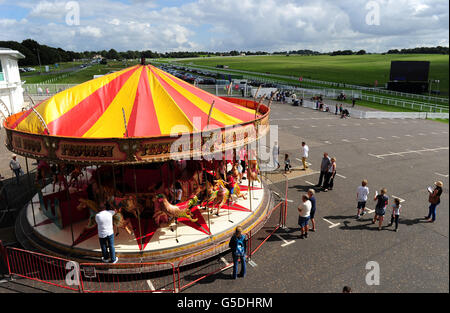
(287, 164)
(395, 213)
(380, 209)
(361, 196)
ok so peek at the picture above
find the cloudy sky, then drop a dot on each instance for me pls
(224, 25)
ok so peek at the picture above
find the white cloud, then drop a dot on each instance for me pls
(215, 25)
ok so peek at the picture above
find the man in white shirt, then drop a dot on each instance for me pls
(304, 210)
(105, 228)
(361, 195)
(305, 153)
(15, 167)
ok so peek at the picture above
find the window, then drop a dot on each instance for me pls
(2, 77)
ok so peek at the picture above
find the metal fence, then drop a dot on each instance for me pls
(382, 114)
(154, 277)
(265, 77)
(42, 268)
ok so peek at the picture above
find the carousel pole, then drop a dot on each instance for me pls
(225, 175)
(138, 214)
(31, 187)
(248, 178)
(70, 211)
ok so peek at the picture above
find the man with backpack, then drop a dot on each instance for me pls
(238, 246)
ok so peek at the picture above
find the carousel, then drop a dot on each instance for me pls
(179, 166)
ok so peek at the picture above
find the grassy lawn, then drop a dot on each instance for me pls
(354, 69)
(80, 76)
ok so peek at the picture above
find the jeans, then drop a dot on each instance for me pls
(18, 172)
(235, 265)
(322, 175)
(395, 218)
(432, 211)
(106, 244)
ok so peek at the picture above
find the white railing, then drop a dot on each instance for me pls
(319, 82)
(354, 113)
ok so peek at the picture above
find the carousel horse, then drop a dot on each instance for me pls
(222, 195)
(74, 175)
(118, 220)
(253, 171)
(131, 205)
(59, 178)
(174, 211)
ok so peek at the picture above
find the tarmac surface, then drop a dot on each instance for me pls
(404, 156)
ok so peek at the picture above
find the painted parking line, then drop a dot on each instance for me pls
(345, 140)
(327, 142)
(395, 136)
(286, 243)
(252, 263)
(364, 139)
(401, 200)
(381, 156)
(422, 134)
(309, 183)
(408, 135)
(370, 211)
(332, 224)
(224, 261)
(380, 138)
(342, 176)
(393, 153)
(443, 175)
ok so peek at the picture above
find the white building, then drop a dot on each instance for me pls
(11, 91)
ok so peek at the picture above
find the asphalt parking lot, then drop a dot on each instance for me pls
(404, 156)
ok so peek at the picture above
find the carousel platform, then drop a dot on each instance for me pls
(147, 243)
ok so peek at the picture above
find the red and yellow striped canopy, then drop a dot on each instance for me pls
(154, 103)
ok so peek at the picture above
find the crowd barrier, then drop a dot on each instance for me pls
(42, 268)
(155, 277)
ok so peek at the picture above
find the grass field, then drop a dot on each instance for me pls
(80, 76)
(354, 69)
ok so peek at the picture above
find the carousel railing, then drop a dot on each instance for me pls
(41, 268)
(152, 277)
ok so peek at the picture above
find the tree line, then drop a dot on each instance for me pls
(36, 53)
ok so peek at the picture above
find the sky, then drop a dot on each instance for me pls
(225, 25)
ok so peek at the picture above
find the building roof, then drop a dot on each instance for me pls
(14, 53)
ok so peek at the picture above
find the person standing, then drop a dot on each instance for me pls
(380, 208)
(434, 198)
(323, 168)
(304, 210)
(337, 109)
(312, 198)
(329, 176)
(395, 213)
(238, 246)
(287, 164)
(105, 228)
(15, 167)
(305, 153)
(361, 195)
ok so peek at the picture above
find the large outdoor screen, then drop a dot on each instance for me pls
(412, 71)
